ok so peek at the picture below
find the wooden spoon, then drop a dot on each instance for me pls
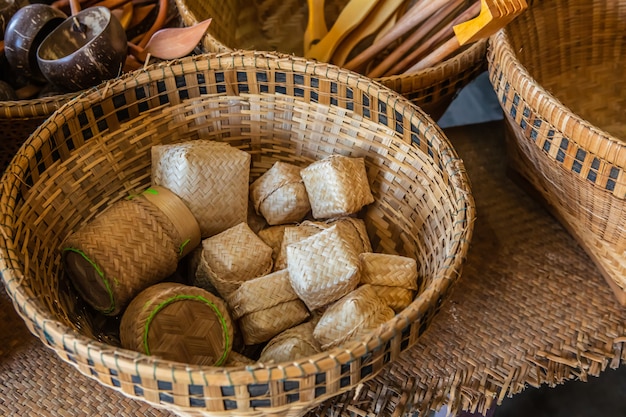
(316, 26)
(349, 18)
(372, 23)
(419, 39)
(415, 15)
(494, 14)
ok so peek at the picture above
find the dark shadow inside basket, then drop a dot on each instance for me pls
(576, 53)
(96, 152)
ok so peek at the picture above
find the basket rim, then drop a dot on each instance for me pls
(66, 341)
(36, 107)
(550, 109)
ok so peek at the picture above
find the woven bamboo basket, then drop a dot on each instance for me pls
(558, 73)
(18, 119)
(95, 151)
(269, 25)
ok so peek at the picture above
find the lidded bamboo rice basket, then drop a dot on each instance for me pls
(269, 25)
(96, 150)
(558, 73)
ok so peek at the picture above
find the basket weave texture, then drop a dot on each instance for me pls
(96, 150)
(554, 70)
(269, 25)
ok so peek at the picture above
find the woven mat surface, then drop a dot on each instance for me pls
(530, 309)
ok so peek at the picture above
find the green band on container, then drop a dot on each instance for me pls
(182, 246)
(151, 191)
(105, 281)
(179, 297)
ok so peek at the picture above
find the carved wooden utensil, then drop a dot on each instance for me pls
(316, 25)
(350, 17)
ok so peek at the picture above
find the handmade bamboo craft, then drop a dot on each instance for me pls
(96, 150)
(554, 71)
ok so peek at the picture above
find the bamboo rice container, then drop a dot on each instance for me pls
(180, 323)
(133, 244)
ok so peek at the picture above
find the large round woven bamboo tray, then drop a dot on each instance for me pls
(96, 150)
(269, 25)
(558, 72)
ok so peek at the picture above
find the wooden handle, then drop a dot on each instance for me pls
(416, 14)
(316, 27)
(383, 12)
(394, 59)
(493, 16)
(349, 18)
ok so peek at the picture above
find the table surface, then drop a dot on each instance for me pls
(529, 309)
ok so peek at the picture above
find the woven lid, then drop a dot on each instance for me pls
(188, 230)
(180, 323)
(293, 234)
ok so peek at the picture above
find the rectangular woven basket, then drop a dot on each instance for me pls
(558, 73)
(268, 25)
(96, 150)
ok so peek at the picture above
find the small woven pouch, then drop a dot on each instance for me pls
(212, 178)
(294, 343)
(265, 306)
(337, 186)
(356, 227)
(273, 237)
(388, 270)
(279, 194)
(351, 317)
(232, 257)
(293, 234)
(180, 323)
(131, 245)
(395, 297)
(323, 267)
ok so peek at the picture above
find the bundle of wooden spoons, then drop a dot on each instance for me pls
(383, 38)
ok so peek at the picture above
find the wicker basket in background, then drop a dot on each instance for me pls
(270, 25)
(558, 71)
(95, 151)
(18, 119)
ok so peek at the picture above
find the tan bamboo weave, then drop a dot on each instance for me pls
(557, 71)
(270, 25)
(276, 108)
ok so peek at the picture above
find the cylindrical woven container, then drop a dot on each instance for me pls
(267, 25)
(133, 244)
(96, 150)
(180, 323)
(558, 73)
